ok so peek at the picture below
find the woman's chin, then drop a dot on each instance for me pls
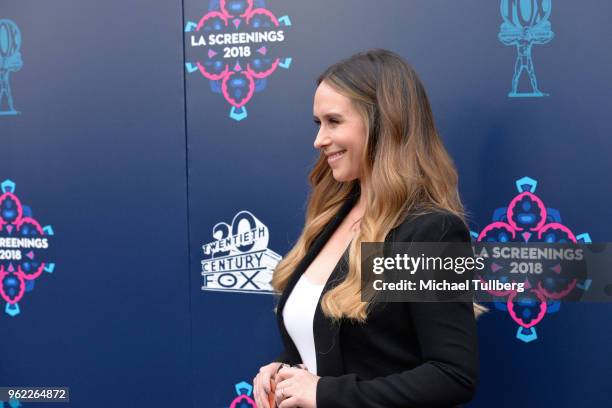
(341, 177)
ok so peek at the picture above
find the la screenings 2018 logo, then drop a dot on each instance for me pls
(527, 219)
(23, 242)
(236, 45)
(238, 260)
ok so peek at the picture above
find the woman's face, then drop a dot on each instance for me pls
(342, 132)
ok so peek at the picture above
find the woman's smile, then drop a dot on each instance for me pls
(335, 157)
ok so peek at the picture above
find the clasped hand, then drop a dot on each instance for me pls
(294, 387)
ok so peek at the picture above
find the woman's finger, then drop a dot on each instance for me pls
(265, 381)
(282, 393)
(262, 395)
(257, 390)
(286, 372)
(290, 402)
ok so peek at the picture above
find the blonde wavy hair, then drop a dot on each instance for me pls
(404, 165)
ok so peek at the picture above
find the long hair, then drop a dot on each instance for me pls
(405, 169)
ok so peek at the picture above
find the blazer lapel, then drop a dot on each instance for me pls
(329, 358)
(326, 332)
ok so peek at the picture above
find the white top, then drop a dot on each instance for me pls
(298, 316)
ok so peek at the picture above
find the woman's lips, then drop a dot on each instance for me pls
(335, 157)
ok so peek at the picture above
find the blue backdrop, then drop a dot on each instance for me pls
(163, 149)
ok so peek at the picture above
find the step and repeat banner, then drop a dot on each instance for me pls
(154, 172)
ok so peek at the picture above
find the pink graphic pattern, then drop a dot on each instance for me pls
(19, 267)
(237, 71)
(527, 219)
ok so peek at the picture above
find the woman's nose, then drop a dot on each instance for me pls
(321, 140)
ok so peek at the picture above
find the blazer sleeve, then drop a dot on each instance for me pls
(447, 337)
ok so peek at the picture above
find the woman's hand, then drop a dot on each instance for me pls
(296, 388)
(261, 384)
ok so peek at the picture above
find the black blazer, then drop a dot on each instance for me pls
(407, 354)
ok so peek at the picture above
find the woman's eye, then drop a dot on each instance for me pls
(330, 121)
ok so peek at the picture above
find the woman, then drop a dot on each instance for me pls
(383, 175)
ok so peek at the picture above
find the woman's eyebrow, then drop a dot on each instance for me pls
(329, 115)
